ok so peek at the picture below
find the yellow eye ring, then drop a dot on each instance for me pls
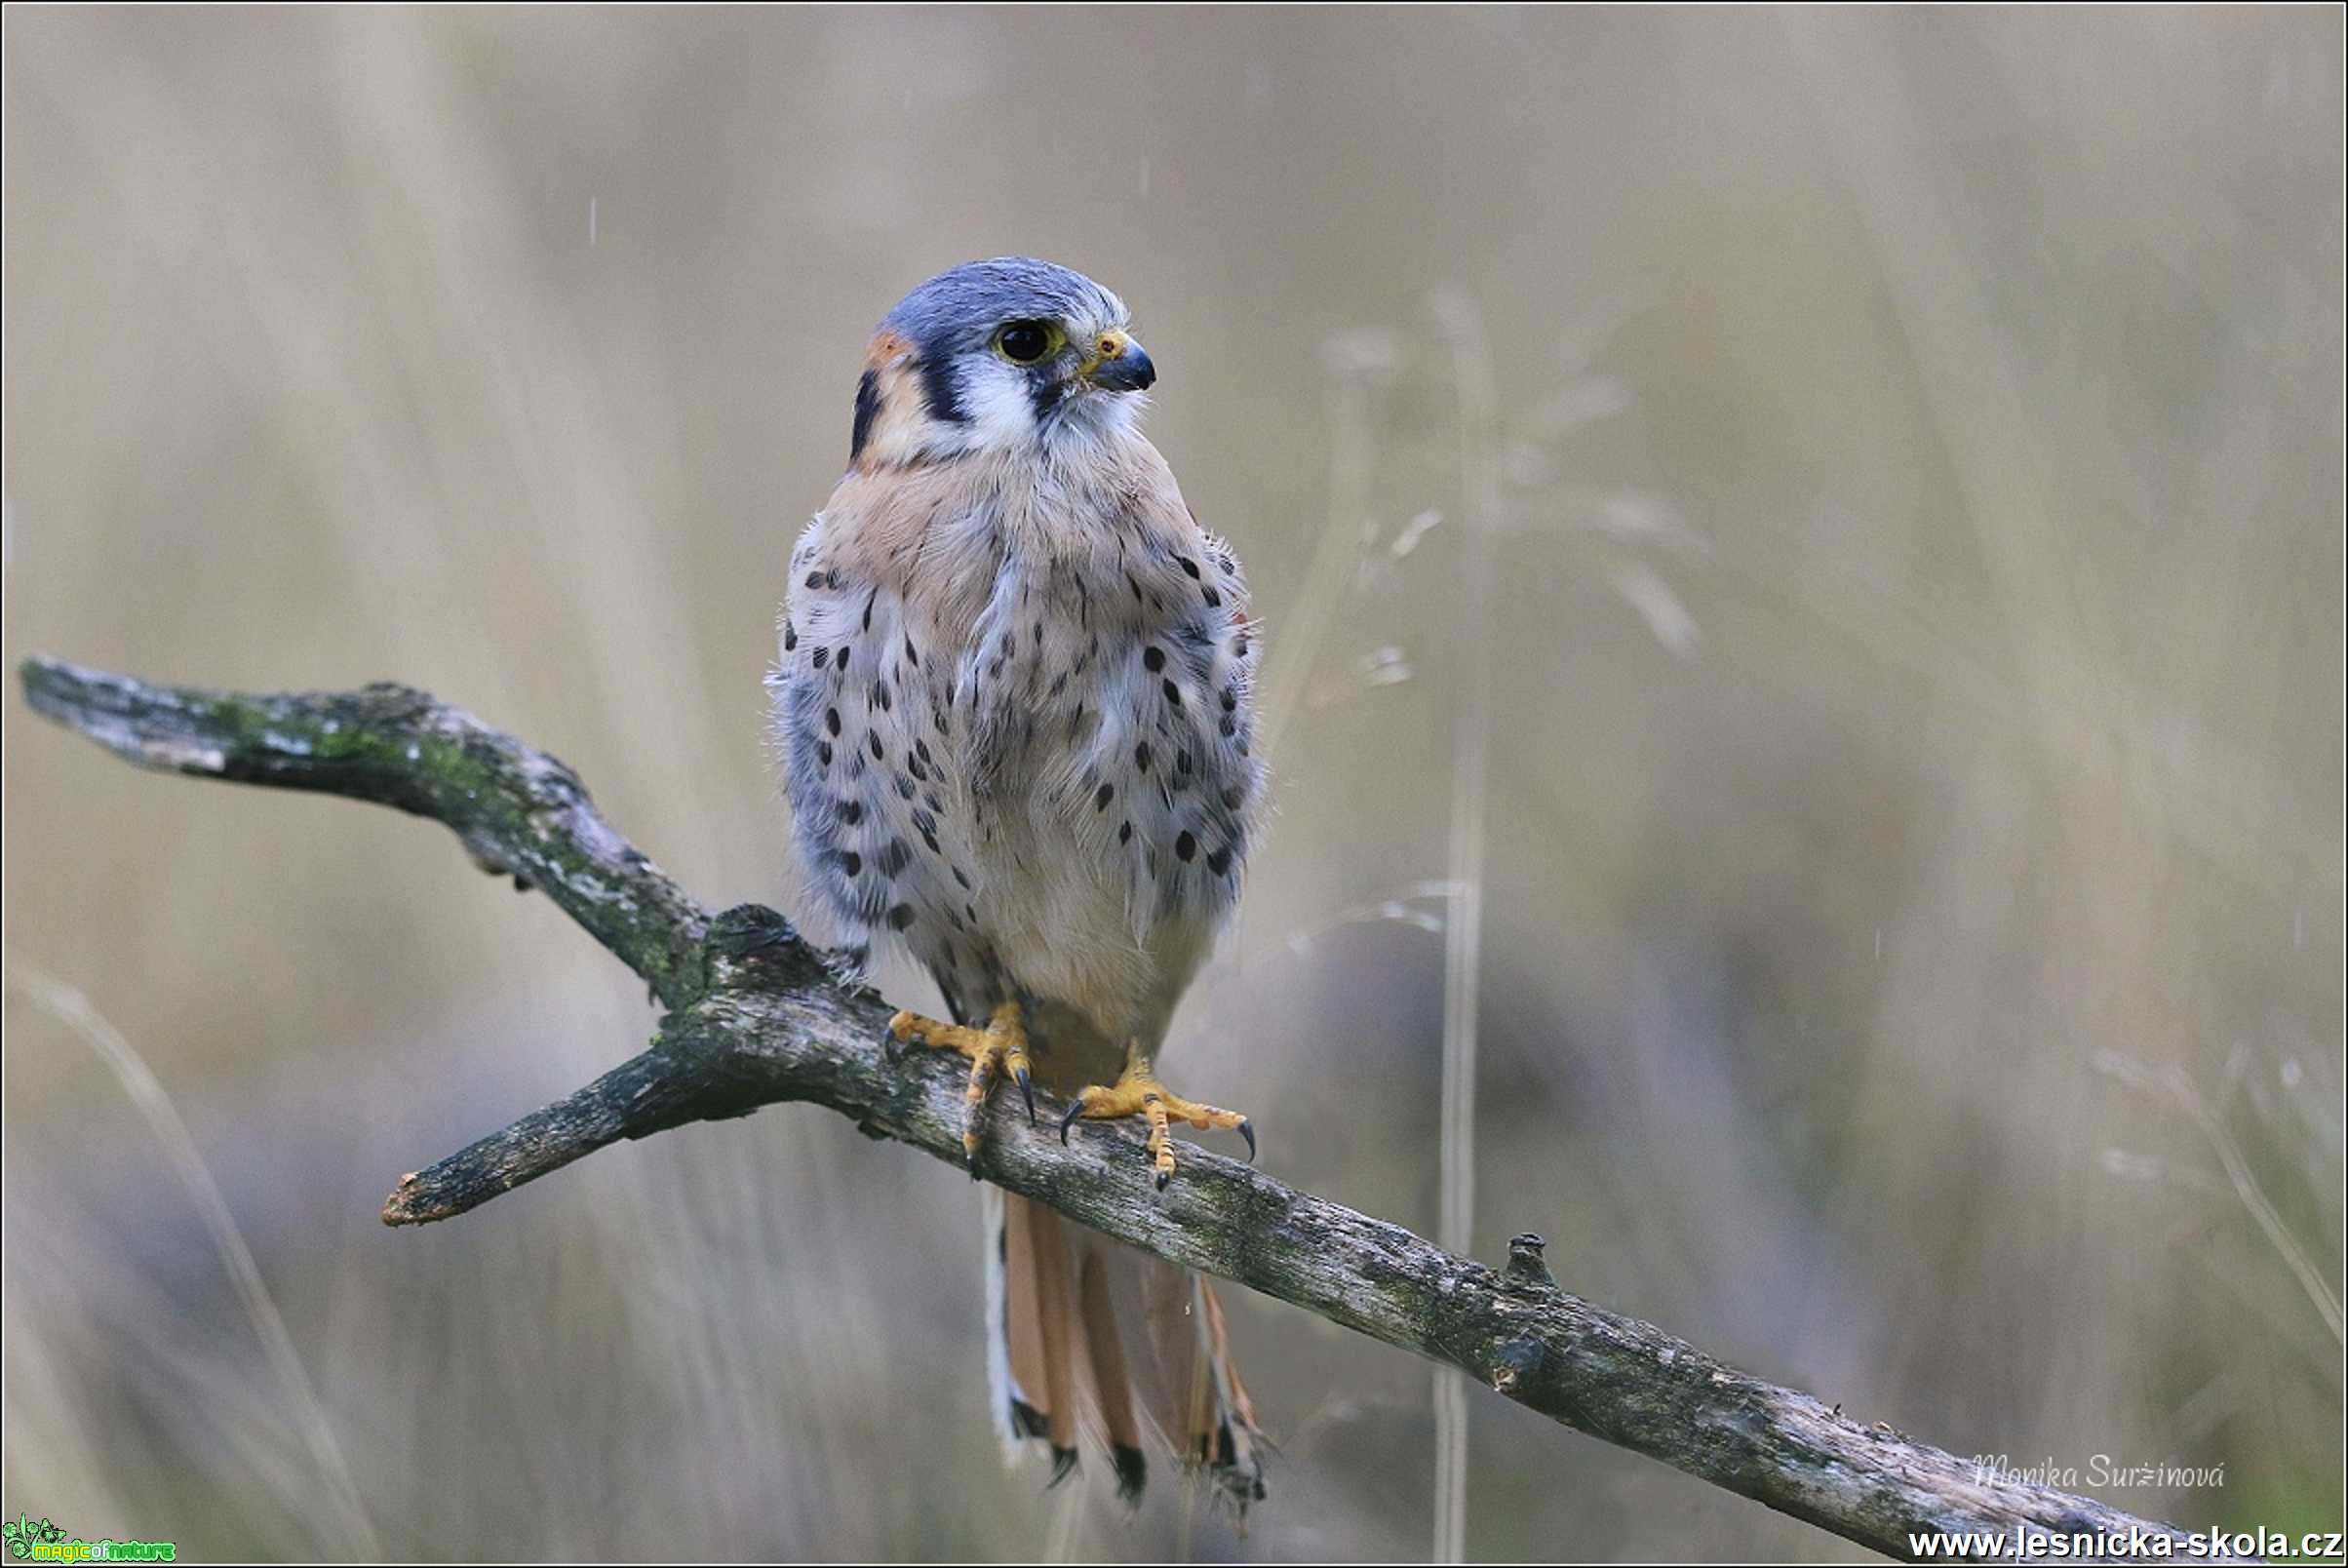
(1029, 342)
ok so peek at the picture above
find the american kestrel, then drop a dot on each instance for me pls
(1016, 704)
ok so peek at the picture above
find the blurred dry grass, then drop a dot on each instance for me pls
(1912, 925)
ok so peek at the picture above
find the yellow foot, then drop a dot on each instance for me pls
(999, 1049)
(1137, 1092)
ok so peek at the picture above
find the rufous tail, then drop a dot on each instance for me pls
(1089, 1339)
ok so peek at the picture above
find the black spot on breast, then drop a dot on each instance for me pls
(911, 658)
(1154, 659)
(1173, 692)
(1186, 846)
(904, 788)
(830, 720)
(900, 917)
(821, 658)
(868, 609)
(874, 740)
(851, 812)
(1141, 756)
(1214, 600)
(1103, 796)
(1124, 832)
(1189, 567)
(814, 579)
(823, 754)
(1229, 727)
(842, 656)
(790, 637)
(1234, 798)
(851, 862)
(894, 857)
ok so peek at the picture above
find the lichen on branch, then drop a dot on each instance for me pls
(755, 1018)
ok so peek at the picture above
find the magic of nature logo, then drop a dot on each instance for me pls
(43, 1539)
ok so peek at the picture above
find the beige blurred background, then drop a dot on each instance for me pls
(1911, 950)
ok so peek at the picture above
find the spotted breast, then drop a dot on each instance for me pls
(1018, 720)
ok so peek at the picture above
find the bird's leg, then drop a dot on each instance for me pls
(1137, 1092)
(999, 1049)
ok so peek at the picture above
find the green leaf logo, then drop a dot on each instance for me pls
(21, 1534)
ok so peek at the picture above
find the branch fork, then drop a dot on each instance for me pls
(756, 1018)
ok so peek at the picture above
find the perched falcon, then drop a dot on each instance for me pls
(1016, 706)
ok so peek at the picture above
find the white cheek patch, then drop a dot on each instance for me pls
(996, 397)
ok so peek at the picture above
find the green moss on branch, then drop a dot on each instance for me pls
(519, 811)
(755, 1019)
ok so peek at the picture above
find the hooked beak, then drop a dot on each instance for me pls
(1117, 363)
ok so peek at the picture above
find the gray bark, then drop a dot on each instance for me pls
(755, 1018)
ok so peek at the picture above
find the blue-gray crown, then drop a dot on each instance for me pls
(954, 311)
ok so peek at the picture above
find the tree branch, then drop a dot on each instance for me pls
(756, 1019)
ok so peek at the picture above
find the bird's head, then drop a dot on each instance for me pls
(997, 356)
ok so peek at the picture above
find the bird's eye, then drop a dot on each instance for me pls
(1024, 342)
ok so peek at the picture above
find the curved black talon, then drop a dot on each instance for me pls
(1164, 1177)
(1027, 1088)
(892, 1049)
(1068, 1121)
(1249, 1133)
